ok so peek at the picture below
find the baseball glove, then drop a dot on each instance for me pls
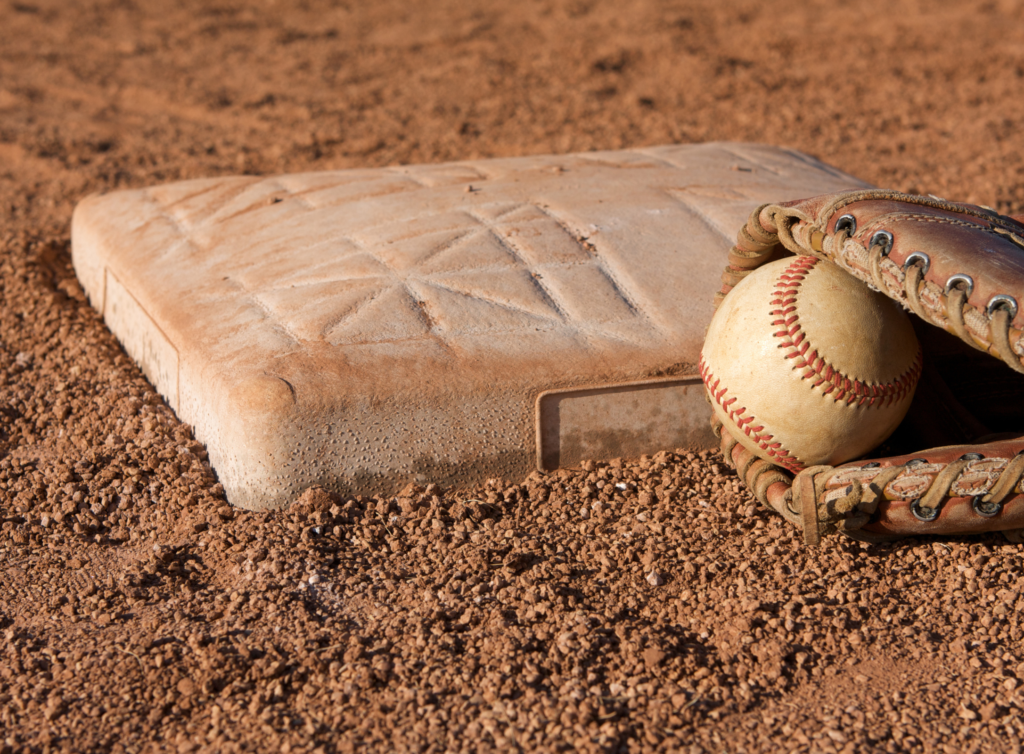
(959, 268)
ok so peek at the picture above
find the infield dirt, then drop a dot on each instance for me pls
(640, 605)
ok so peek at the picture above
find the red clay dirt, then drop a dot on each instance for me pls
(646, 605)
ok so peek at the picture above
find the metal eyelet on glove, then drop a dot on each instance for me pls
(983, 509)
(1001, 311)
(923, 514)
(1002, 301)
(958, 290)
(878, 249)
(915, 267)
(882, 238)
(919, 256)
(847, 223)
(961, 281)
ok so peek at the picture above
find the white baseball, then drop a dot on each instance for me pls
(806, 365)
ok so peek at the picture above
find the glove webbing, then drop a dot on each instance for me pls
(850, 508)
(808, 502)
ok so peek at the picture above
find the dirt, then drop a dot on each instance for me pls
(643, 605)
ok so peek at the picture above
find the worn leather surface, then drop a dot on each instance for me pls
(959, 239)
(956, 516)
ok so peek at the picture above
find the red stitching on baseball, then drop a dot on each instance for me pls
(814, 366)
(845, 389)
(765, 440)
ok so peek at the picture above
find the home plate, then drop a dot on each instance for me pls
(361, 329)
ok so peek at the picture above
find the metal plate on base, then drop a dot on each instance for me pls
(621, 421)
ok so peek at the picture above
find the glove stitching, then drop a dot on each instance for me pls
(866, 195)
(950, 311)
(886, 220)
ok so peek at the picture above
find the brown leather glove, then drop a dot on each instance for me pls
(960, 268)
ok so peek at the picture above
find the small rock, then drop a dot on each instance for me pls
(989, 712)
(967, 713)
(655, 579)
(186, 687)
(653, 656)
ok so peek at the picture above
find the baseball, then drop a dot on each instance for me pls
(806, 365)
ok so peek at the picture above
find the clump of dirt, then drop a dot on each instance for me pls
(637, 605)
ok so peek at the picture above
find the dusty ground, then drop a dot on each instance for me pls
(635, 607)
